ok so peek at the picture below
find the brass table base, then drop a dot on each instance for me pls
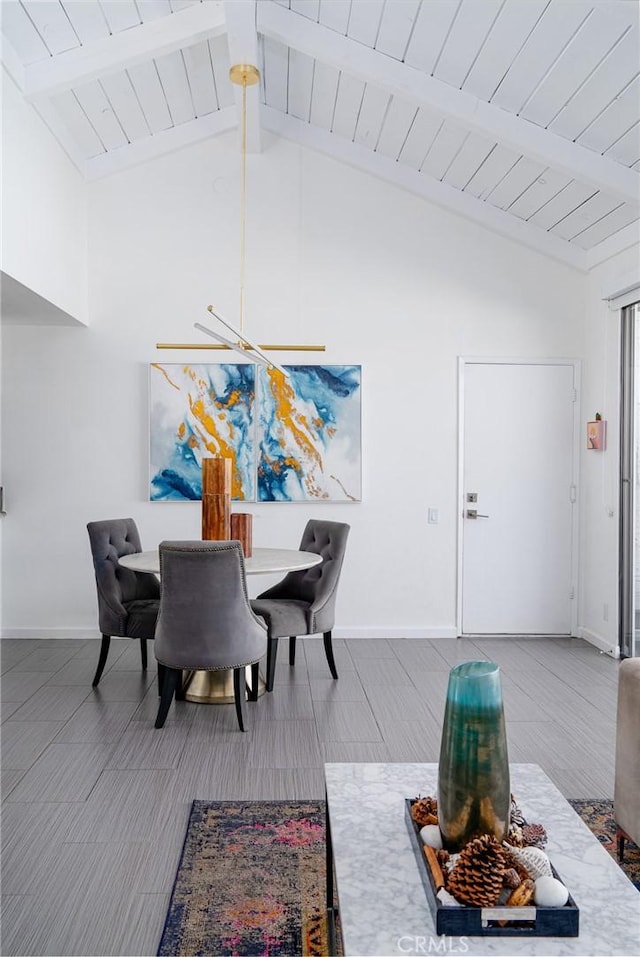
(214, 687)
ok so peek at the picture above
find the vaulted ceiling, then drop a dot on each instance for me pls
(522, 115)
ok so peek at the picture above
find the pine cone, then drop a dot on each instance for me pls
(424, 811)
(479, 872)
(535, 835)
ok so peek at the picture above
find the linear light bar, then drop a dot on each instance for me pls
(289, 347)
(228, 344)
(244, 341)
(242, 346)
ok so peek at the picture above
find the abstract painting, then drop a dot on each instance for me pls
(291, 439)
(197, 411)
(309, 434)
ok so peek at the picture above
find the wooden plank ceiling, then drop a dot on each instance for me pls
(522, 115)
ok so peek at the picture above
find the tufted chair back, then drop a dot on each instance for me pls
(128, 601)
(304, 602)
(318, 586)
(117, 586)
(205, 620)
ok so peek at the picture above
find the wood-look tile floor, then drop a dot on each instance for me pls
(96, 801)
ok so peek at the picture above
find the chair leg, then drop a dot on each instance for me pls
(239, 695)
(143, 653)
(272, 654)
(328, 650)
(102, 660)
(255, 678)
(292, 651)
(169, 683)
(180, 687)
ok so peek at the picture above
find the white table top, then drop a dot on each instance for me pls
(262, 562)
(383, 905)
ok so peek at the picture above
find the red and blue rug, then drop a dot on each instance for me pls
(598, 816)
(251, 879)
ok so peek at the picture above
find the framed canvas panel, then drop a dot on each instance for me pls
(198, 411)
(291, 439)
(309, 434)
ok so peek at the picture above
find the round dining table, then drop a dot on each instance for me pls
(216, 687)
(263, 561)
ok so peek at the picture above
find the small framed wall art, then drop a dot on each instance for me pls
(596, 434)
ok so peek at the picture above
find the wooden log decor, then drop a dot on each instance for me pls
(242, 530)
(216, 499)
(434, 866)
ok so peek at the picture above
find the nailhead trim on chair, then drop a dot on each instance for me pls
(225, 546)
(241, 664)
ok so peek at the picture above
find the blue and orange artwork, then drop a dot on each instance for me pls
(291, 439)
(309, 434)
(198, 411)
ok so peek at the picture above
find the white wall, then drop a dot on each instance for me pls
(383, 278)
(599, 508)
(44, 209)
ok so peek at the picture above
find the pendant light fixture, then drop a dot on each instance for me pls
(244, 75)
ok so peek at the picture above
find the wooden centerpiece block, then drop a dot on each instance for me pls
(216, 499)
(216, 475)
(242, 530)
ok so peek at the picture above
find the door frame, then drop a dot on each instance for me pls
(628, 643)
(463, 362)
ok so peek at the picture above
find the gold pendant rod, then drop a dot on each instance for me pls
(213, 345)
(243, 203)
(243, 74)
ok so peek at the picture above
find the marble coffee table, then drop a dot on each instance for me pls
(383, 905)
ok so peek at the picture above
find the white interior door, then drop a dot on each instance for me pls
(518, 441)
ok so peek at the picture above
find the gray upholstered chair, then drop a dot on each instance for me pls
(304, 602)
(128, 601)
(205, 621)
(626, 792)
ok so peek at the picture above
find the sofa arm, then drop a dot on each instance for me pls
(626, 795)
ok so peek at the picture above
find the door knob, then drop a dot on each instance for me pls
(473, 513)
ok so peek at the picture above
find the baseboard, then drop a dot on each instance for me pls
(364, 631)
(361, 631)
(375, 631)
(604, 644)
(368, 631)
(81, 634)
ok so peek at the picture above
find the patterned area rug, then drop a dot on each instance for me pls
(598, 816)
(251, 881)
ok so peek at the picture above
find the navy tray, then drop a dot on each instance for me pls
(472, 921)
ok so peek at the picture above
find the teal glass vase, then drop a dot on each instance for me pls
(474, 791)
